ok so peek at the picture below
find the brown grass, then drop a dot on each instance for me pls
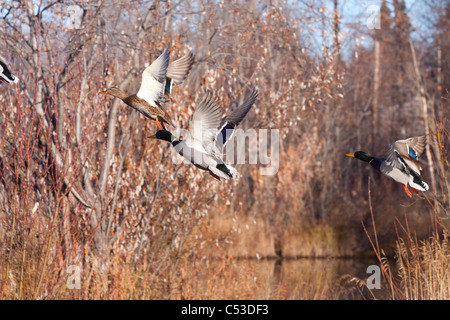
(423, 268)
(420, 268)
(81, 185)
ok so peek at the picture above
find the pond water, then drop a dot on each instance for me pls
(323, 279)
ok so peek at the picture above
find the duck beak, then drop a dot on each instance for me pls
(152, 137)
(350, 155)
(103, 92)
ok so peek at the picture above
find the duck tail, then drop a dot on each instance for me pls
(418, 184)
(233, 173)
(6, 74)
(224, 171)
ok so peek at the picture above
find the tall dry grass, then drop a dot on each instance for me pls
(419, 269)
(160, 230)
(423, 268)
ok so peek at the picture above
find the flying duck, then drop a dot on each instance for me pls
(401, 163)
(209, 132)
(158, 80)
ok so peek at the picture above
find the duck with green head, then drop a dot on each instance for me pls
(401, 164)
(208, 134)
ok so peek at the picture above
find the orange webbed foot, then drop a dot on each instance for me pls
(407, 191)
(415, 191)
(160, 124)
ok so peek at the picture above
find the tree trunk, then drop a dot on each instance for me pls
(376, 86)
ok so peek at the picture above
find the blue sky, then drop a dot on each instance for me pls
(356, 12)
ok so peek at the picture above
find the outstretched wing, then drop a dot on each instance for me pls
(154, 79)
(204, 122)
(404, 154)
(178, 70)
(229, 123)
(411, 148)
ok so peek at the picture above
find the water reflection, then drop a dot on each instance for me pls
(321, 278)
(324, 279)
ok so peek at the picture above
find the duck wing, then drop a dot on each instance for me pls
(154, 79)
(177, 73)
(405, 153)
(229, 123)
(178, 70)
(204, 122)
(411, 148)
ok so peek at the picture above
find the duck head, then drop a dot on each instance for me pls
(360, 155)
(115, 91)
(163, 135)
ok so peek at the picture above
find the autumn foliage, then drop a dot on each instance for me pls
(82, 185)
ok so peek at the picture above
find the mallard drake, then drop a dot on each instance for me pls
(6, 75)
(209, 132)
(401, 164)
(158, 80)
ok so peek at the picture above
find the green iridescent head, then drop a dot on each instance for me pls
(360, 155)
(163, 135)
